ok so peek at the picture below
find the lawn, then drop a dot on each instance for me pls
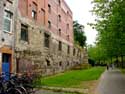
(72, 78)
(122, 70)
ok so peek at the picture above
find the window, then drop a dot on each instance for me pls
(60, 45)
(49, 24)
(46, 40)
(60, 63)
(24, 32)
(67, 26)
(43, 16)
(68, 37)
(48, 63)
(78, 53)
(59, 32)
(67, 63)
(74, 52)
(68, 49)
(34, 11)
(34, 14)
(59, 18)
(67, 12)
(49, 8)
(59, 2)
(7, 21)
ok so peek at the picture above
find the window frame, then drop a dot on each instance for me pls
(59, 2)
(60, 46)
(74, 51)
(43, 13)
(68, 49)
(46, 40)
(34, 16)
(10, 19)
(49, 24)
(26, 32)
(49, 8)
(60, 33)
(34, 10)
(59, 18)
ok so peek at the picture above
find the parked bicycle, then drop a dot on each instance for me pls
(6, 88)
(16, 84)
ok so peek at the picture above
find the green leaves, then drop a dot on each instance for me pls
(79, 36)
(110, 24)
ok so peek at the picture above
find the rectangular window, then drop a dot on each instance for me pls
(59, 18)
(46, 40)
(43, 16)
(49, 24)
(7, 21)
(60, 46)
(68, 49)
(68, 38)
(59, 32)
(59, 2)
(24, 32)
(34, 11)
(49, 8)
(67, 28)
(34, 14)
(74, 52)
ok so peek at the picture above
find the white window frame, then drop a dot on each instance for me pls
(10, 19)
(34, 14)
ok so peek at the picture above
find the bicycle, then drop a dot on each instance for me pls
(16, 83)
(6, 88)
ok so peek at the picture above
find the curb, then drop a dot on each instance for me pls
(67, 90)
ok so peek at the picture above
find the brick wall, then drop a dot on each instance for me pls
(26, 6)
(66, 18)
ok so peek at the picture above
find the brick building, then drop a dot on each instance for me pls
(42, 38)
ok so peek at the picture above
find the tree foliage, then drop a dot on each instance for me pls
(79, 35)
(110, 24)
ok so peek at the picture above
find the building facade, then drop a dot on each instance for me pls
(7, 15)
(42, 37)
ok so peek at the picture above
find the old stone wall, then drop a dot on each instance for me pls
(7, 37)
(1, 19)
(33, 56)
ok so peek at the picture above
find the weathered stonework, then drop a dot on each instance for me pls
(7, 38)
(33, 56)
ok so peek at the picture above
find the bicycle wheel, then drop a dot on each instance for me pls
(22, 89)
(14, 91)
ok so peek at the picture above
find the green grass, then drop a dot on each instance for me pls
(72, 78)
(123, 70)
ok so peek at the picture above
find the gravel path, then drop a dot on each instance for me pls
(112, 82)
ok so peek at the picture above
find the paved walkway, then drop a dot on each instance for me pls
(111, 82)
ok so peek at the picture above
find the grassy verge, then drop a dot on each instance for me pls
(72, 78)
(122, 70)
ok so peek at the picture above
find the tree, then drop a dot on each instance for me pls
(110, 24)
(79, 36)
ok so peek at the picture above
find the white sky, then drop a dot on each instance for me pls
(80, 9)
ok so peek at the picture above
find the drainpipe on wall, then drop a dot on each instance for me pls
(14, 38)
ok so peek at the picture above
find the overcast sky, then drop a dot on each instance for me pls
(80, 9)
